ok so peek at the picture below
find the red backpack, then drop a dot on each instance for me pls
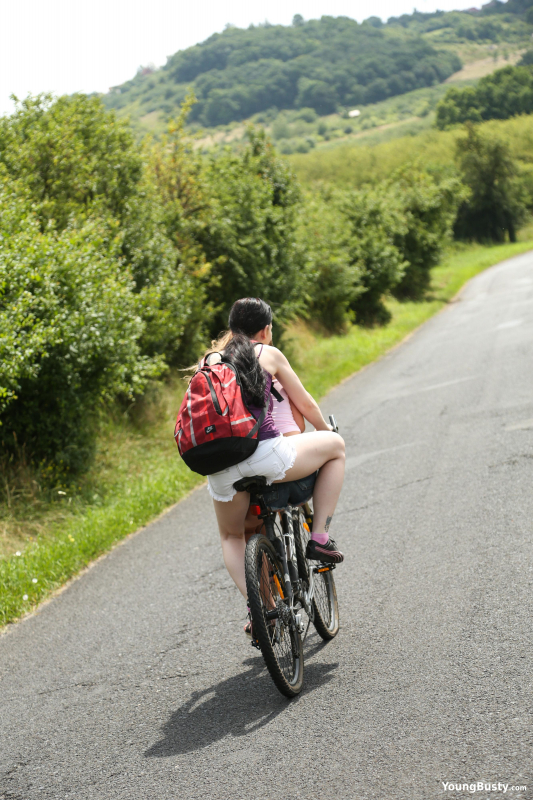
(214, 429)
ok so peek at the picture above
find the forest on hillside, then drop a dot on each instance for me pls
(506, 93)
(318, 64)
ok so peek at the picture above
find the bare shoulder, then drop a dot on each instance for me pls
(213, 358)
(272, 359)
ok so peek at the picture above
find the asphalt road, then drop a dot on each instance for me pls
(137, 681)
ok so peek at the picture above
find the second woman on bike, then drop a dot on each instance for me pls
(248, 345)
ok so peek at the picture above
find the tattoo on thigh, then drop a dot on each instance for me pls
(328, 522)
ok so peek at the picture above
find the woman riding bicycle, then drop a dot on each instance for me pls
(248, 345)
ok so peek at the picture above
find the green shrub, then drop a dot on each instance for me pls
(501, 95)
(307, 114)
(72, 155)
(497, 204)
(76, 159)
(69, 335)
(332, 282)
(428, 209)
(527, 58)
(161, 242)
(167, 270)
(374, 222)
(248, 235)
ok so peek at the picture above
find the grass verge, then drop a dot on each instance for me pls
(325, 361)
(137, 472)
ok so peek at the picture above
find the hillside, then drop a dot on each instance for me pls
(354, 164)
(324, 65)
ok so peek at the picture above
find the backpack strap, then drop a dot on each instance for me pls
(260, 420)
(277, 395)
(273, 391)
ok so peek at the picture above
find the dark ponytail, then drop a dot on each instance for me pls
(240, 352)
(247, 317)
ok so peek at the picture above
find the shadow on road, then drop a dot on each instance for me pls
(235, 706)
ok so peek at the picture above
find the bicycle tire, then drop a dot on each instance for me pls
(282, 648)
(325, 602)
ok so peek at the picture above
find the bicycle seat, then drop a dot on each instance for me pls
(253, 484)
(279, 495)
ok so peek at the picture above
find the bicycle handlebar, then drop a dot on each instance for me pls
(333, 423)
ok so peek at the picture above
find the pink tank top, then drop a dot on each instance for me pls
(282, 412)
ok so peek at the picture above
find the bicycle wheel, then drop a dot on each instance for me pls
(281, 646)
(325, 603)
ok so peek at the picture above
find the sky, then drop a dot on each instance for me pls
(66, 46)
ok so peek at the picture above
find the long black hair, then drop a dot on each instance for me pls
(247, 317)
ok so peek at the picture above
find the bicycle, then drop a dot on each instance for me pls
(281, 583)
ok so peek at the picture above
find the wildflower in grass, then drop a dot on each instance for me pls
(18, 553)
(63, 493)
(34, 580)
(71, 538)
(24, 596)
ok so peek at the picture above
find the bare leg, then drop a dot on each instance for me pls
(318, 450)
(321, 450)
(230, 518)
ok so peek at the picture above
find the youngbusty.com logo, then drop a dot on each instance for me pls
(481, 786)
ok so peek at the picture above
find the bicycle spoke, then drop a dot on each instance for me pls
(271, 592)
(280, 645)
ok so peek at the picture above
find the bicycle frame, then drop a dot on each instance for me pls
(298, 596)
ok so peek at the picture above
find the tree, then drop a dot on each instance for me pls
(428, 209)
(164, 250)
(332, 281)
(70, 333)
(318, 95)
(249, 234)
(505, 93)
(373, 222)
(314, 63)
(72, 155)
(496, 205)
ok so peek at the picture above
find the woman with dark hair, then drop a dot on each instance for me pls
(248, 344)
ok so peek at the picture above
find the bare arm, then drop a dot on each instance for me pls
(275, 362)
(297, 416)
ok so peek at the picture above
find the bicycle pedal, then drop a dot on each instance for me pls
(255, 644)
(324, 568)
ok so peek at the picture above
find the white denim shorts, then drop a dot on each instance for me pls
(272, 459)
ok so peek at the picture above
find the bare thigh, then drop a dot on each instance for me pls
(313, 450)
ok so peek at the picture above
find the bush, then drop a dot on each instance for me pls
(428, 211)
(69, 335)
(374, 222)
(527, 58)
(249, 232)
(161, 242)
(496, 205)
(332, 282)
(167, 271)
(72, 155)
(505, 93)
(74, 160)
(307, 115)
